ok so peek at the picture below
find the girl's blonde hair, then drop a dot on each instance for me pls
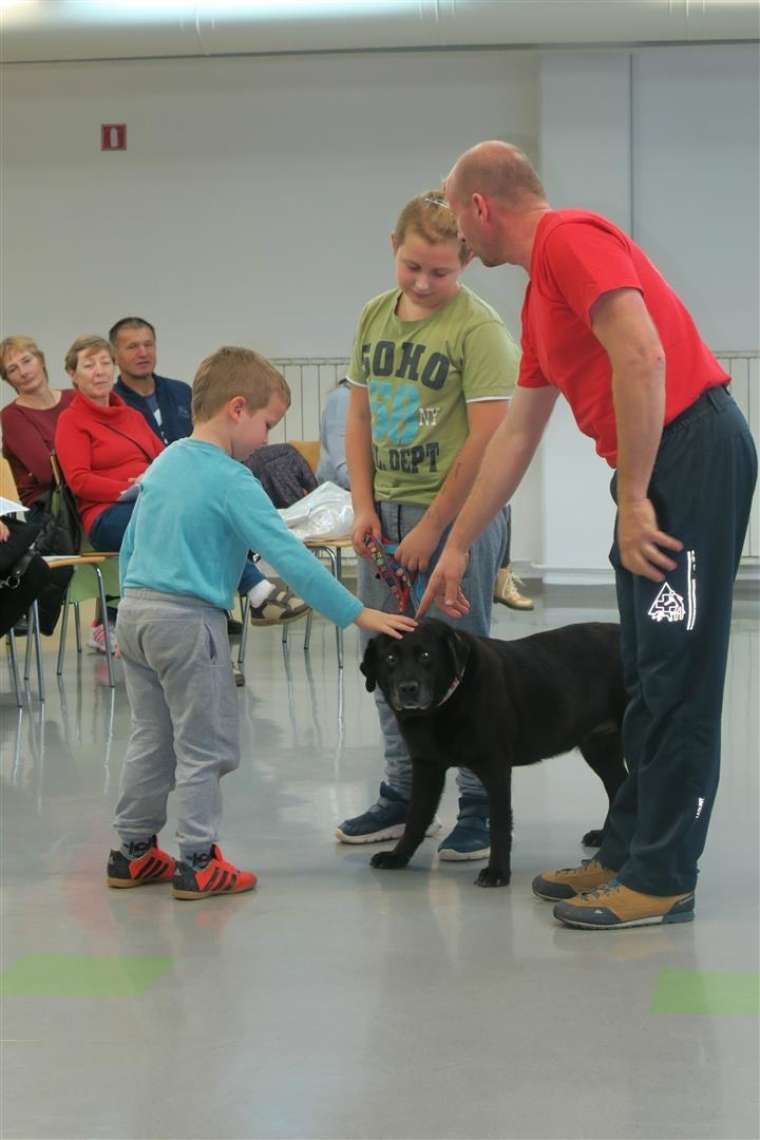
(431, 218)
(15, 344)
(233, 371)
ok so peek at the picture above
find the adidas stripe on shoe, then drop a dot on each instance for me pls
(217, 877)
(154, 866)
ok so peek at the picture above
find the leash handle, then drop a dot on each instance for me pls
(387, 569)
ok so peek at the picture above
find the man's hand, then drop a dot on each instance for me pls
(416, 548)
(4, 532)
(444, 586)
(365, 522)
(639, 540)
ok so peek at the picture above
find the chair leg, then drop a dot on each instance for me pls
(307, 635)
(78, 627)
(11, 637)
(245, 606)
(62, 634)
(34, 630)
(28, 647)
(106, 625)
(338, 628)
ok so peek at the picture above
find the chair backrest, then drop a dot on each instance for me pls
(309, 449)
(8, 487)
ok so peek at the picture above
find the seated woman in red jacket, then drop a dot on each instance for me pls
(103, 447)
(29, 422)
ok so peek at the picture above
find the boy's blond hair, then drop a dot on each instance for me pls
(232, 371)
(88, 343)
(431, 218)
(11, 346)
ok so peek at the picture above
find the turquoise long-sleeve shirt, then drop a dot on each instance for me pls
(197, 515)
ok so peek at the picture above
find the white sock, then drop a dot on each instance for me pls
(259, 593)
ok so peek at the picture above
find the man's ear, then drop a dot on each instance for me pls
(459, 649)
(368, 666)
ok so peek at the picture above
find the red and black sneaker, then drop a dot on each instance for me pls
(150, 865)
(217, 877)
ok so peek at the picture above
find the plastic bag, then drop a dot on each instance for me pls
(325, 513)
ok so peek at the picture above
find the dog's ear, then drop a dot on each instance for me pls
(368, 666)
(459, 648)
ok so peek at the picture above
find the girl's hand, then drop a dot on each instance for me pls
(375, 621)
(364, 522)
(416, 549)
(4, 532)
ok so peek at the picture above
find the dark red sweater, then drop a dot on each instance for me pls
(28, 435)
(101, 450)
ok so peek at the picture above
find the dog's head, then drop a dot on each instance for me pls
(416, 673)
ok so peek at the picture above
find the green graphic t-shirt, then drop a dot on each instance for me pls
(420, 376)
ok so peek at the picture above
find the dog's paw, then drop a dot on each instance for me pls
(388, 861)
(491, 877)
(593, 838)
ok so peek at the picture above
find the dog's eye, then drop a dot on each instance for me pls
(391, 660)
(425, 657)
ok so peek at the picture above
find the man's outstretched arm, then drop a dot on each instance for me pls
(505, 461)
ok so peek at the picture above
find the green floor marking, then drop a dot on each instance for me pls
(82, 975)
(721, 992)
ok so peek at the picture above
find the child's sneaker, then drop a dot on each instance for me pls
(385, 820)
(148, 867)
(217, 877)
(97, 639)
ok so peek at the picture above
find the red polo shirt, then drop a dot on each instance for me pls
(577, 257)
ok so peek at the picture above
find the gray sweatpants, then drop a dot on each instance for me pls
(478, 584)
(184, 730)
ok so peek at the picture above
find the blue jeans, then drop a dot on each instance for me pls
(486, 556)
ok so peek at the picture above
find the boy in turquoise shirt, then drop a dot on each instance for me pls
(199, 512)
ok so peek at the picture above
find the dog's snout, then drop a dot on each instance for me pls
(409, 689)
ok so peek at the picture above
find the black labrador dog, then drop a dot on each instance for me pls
(491, 706)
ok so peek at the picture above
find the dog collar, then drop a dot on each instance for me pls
(451, 689)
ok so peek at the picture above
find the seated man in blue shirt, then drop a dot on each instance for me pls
(165, 405)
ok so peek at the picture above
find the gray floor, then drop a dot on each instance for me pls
(340, 1002)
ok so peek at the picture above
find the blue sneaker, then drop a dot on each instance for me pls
(385, 820)
(471, 837)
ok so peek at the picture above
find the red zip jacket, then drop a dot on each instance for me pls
(101, 450)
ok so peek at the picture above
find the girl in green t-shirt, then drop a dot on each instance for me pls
(431, 372)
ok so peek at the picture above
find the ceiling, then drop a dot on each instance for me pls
(44, 30)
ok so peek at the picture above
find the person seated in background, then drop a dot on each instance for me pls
(29, 422)
(103, 448)
(506, 587)
(165, 405)
(333, 467)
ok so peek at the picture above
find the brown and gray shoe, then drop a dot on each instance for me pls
(571, 881)
(616, 907)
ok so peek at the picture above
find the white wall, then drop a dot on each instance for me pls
(665, 142)
(255, 201)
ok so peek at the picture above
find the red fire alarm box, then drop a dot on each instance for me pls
(113, 136)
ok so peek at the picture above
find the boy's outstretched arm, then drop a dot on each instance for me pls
(506, 460)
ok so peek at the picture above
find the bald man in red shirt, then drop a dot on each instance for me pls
(601, 326)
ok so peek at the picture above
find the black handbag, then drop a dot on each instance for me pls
(25, 577)
(61, 531)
